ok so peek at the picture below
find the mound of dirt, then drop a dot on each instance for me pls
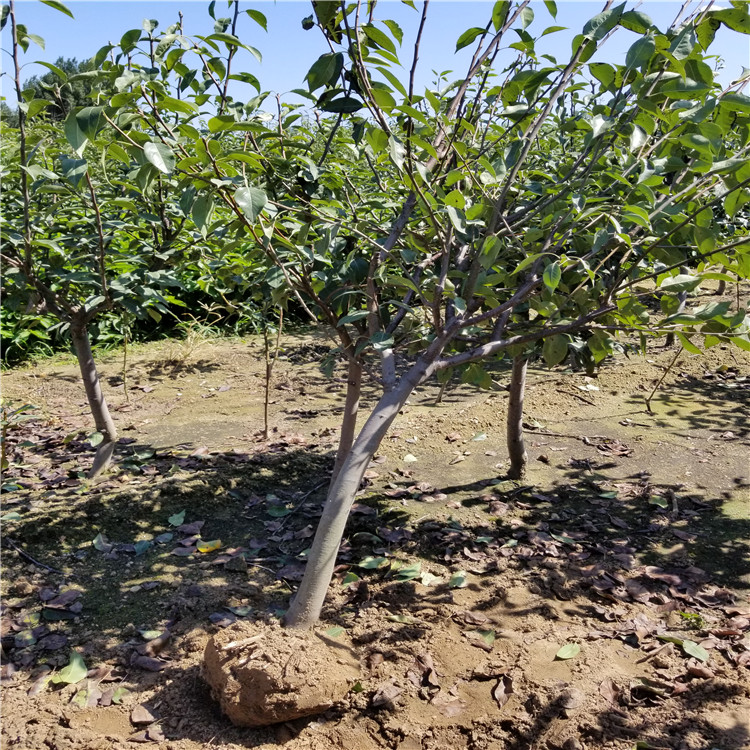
(264, 674)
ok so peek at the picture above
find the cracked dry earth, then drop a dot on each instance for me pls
(601, 603)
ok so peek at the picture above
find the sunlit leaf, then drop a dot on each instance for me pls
(211, 546)
(73, 673)
(569, 651)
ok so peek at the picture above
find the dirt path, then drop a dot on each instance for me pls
(627, 546)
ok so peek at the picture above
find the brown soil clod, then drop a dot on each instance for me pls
(283, 675)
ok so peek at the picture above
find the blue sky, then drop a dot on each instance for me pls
(288, 50)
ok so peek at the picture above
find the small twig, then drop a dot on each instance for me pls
(557, 434)
(301, 503)
(234, 645)
(28, 557)
(653, 653)
(579, 397)
(661, 380)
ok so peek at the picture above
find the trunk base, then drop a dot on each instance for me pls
(102, 459)
(273, 674)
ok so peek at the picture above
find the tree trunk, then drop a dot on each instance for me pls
(349, 421)
(514, 425)
(682, 300)
(305, 609)
(97, 403)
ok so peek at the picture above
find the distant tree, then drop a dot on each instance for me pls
(8, 116)
(66, 86)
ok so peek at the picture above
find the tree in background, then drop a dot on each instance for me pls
(82, 234)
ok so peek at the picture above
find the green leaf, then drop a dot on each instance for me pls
(278, 511)
(205, 546)
(75, 136)
(428, 579)
(95, 438)
(396, 30)
(251, 201)
(456, 199)
(405, 619)
(659, 501)
(177, 519)
(141, 547)
(551, 6)
(11, 516)
(377, 37)
(409, 572)
(564, 539)
(683, 43)
(259, 18)
(555, 349)
(601, 124)
(90, 121)
(601, 24)
(160, 156)
(371, 563)
(74, 170)
(458, 580)
(343, 104)
(468, 37)
(680, 283)
(736, 102)
(397, 151)
(334, 632)
(569, 651)
(638, 138)
(552, 276)
(641, 52)
(325, 70)
(202, 210)
(120, 694)
(527, 17)
(635, 20)
(381, 341)
(499, 13)
(488, 636)
(34, 107)
(73, 673)
(352, 317)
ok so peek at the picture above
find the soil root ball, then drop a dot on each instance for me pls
(264, 674)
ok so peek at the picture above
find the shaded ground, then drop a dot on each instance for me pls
(628, 543)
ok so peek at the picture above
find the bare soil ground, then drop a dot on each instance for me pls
(601, 603)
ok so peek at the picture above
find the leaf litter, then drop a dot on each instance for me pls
(616, 585)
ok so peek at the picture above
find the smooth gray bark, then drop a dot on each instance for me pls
(349, 421)
(305, 609)
(97, 403)
(514, 425)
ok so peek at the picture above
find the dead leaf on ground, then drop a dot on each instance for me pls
(609, 691)
(147, 662)
(503, 690)
(385, 696)
(449, 706)
(141, 715)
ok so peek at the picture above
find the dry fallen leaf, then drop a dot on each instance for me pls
(503, 690)
(385, 696)
(141, 715)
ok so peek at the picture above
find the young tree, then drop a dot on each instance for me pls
(530, 204)
(79, 240)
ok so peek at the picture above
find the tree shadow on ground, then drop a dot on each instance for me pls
(714, 403)
(567, 542)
